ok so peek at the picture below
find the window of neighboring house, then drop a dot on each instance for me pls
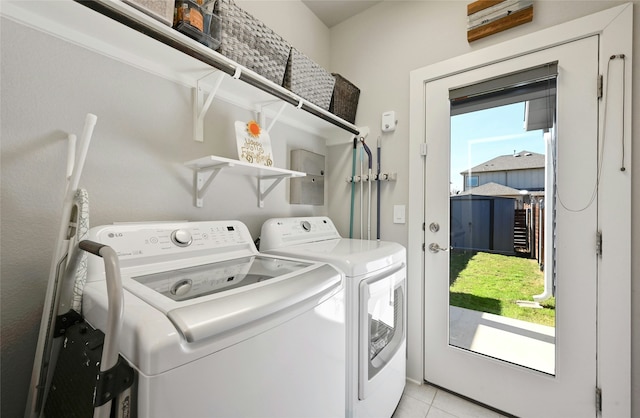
(472, 181)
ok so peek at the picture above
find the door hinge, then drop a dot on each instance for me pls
(599, 243)
(600, 86)
(423, 247)
(423, 149)
(598, 399)
(423, 226)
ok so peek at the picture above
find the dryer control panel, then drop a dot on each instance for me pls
(284, 232)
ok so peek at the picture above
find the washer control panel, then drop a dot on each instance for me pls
(181, 237)
(131, 241)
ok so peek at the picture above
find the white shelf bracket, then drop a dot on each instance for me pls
(260, 115)
(202, 179)
(262, 194)
(262, 118)
(200, 106)
(275, 118)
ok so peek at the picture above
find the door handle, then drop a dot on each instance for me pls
(435, 248)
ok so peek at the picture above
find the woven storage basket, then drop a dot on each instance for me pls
(161, 10)
(250, 43)
(308, 80)
(344, 102)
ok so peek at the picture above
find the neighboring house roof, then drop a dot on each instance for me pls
(491, 189)
(520, 161)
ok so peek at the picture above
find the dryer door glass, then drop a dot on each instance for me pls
(381, 323)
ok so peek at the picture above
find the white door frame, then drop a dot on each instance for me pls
(615, 28)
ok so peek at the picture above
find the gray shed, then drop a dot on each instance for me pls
(482, 223)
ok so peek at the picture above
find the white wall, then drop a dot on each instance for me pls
(379, 47)
(134, 169)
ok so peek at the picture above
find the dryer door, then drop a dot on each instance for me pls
(381, 327)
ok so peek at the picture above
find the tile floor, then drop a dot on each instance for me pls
(425, 401)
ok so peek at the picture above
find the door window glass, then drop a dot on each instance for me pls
(501, 297)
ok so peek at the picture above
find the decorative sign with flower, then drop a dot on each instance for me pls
(254, 144)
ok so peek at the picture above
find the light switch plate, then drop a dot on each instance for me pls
(399, 214)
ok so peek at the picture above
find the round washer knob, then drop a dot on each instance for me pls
(306, 225)
(181, 288)
(181, 238)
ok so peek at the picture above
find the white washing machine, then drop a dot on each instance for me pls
(215, 329)
(375, 303)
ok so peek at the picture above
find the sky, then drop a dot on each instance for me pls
(479, 136)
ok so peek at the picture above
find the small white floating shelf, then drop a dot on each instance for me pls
(207, 168)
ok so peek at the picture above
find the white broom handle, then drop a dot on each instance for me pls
(89, 124)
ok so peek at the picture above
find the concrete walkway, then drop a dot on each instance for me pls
(519, 342)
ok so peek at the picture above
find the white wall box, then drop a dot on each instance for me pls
(115, 29)
(308, 190)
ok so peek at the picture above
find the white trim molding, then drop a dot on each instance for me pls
(614, 27)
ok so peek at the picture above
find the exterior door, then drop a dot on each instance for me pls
(568, 388)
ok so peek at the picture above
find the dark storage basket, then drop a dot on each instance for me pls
(308, 80)
(250, 43)
(344, 102)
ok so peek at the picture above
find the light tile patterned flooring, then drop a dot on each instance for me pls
(425, 401)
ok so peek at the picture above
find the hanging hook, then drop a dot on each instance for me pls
(238, 72)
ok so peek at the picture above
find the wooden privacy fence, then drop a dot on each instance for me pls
(528, 232)
(521, 234)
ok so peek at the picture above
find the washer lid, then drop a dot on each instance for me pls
(354, 257)
(210, 299)
(238, 310)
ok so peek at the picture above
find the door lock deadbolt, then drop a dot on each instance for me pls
(434, 227)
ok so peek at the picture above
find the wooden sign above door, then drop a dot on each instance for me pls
(486, 17)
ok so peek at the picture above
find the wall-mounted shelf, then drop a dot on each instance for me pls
(207, 168)
(117, 30)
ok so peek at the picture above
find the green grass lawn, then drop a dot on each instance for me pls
(493, 283)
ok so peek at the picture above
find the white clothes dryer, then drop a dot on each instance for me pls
(215, 329)
(375, 304)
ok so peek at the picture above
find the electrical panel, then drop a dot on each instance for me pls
(308, 190)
